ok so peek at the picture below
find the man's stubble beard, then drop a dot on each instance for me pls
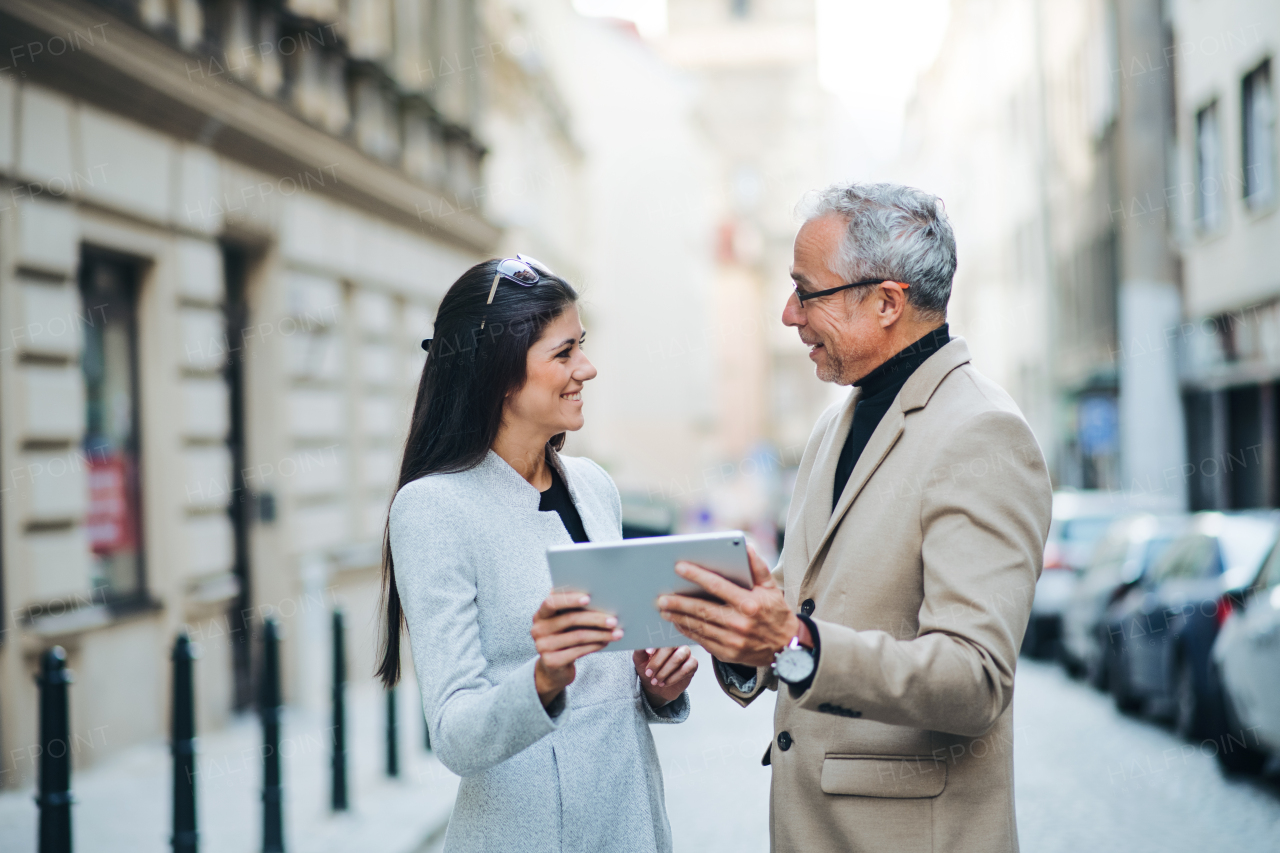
(833, 369)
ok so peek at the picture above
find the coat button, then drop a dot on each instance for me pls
(784, 741)
(807, 607)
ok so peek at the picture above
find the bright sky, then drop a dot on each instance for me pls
(869, 54)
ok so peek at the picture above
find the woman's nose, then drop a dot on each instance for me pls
(585, 371)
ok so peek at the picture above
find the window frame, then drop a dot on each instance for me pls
(134, 270)
(1249, 195)
(1204, 225)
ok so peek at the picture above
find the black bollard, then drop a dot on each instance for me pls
(269, 708)
(185, 838)
(393, 752)
(339, 763)
(54, 797)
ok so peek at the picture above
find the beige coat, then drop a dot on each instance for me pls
(921, 583)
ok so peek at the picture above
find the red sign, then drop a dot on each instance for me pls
(109, 521)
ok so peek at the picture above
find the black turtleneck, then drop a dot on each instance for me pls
(879, 387)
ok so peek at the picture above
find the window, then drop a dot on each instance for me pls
(109, 363)
(1208, 169)
(1258, 129)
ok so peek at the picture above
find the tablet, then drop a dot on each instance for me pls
(625, 578)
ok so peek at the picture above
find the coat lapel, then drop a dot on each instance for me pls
(914, 395)
(598, 527)
(821, 482)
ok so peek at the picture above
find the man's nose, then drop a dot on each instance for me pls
(792, 314)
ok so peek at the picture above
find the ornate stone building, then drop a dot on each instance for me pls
(224, 226)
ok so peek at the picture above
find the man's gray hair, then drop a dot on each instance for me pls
(893, 232)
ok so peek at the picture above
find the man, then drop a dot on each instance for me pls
(912, 548)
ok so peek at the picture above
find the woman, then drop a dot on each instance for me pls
(551, 740)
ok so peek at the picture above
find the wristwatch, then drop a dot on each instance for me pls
(795, 663)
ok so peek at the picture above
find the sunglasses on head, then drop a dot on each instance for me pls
(522, 270)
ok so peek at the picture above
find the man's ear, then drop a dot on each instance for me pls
(892, 302)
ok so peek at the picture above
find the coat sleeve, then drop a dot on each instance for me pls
(741, 683)
(474, 722)
(984, 516)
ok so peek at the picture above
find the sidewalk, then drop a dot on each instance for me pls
(123, 805)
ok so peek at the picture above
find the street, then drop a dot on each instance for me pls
(1087, 777)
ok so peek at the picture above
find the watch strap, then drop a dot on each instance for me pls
(801, 686)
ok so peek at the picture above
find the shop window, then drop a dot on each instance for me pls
(109, 363)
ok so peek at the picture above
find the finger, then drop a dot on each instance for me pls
(685, 674)
(571, 619)
(678, 659)
(640, 659)
(760, 573)
(686, 606)
(564, 657)
(725, 590)
(558, 601)
(569, 639)
(713, 638)
(656, 662)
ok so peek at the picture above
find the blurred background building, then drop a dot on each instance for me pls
(226, 227)
(1112, 189)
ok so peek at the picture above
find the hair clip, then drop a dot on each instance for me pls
(426, 343)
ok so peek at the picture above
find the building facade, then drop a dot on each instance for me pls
(1225, 193)
(754, 71)
(225, 226)
(1045, 129)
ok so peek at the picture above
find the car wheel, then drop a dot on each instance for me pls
(1095, 670)
(1188, 707)
(1097, 660)
(1069, 664)
(1118, 684)
(1234, 753)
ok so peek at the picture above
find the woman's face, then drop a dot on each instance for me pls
(551, 399)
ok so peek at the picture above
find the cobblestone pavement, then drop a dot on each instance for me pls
(1087, 777)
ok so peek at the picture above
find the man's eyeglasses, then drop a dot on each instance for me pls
(805, 297)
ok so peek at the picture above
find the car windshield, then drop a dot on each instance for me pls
(1244, 543)
(1154, 549)
(1079, 531)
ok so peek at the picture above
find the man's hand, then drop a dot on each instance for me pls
(749, 628)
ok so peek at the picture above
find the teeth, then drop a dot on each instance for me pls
(576, 395)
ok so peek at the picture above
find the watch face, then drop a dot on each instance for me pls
(793, 665)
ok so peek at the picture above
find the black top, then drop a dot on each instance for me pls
(879, 388)
(557, 499)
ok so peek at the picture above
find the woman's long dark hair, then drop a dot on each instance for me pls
(468, 374)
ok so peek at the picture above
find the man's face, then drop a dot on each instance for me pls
(845, 336)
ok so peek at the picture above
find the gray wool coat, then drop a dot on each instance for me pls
(471, 570)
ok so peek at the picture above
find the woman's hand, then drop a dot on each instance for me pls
(664, 673)
(564, 631)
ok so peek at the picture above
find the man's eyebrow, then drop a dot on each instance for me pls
(800, 277)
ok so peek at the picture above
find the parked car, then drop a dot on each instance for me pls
(1079, 520)
(1247, 658)
(1161, 631)
(1124, 554)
